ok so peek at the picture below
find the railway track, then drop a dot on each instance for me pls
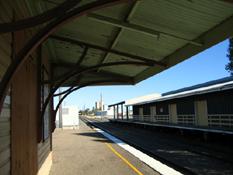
(154, 149)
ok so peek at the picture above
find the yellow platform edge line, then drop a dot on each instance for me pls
(124, 159)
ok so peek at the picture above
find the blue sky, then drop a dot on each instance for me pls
(206, 66)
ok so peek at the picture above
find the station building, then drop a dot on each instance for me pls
(48, 44)
(207, 105)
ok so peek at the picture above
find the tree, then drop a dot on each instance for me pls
(229, 66)
(85, 112)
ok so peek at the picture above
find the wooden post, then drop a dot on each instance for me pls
(173, 113)
(114, 112)
(24, 116)
(122, 112)
(117, 111)
(201, 113)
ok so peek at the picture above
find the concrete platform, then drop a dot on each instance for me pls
(176, 126)
(85, 152)
(189, 155)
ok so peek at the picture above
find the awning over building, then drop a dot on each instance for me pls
(142, 99)
(208, 87)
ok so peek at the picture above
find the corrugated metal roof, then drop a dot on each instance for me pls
(202, 85)
(184, 28)
(208, 87)
(142, 99)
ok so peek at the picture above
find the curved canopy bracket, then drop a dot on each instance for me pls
(43, 35)
(39, 19)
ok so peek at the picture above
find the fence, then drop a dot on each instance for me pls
(152, 118)
(186, 119)
(220, 120)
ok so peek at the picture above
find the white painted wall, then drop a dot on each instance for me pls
(70, 117)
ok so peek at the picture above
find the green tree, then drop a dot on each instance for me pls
(229, 66)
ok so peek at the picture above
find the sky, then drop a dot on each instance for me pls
(205, 66)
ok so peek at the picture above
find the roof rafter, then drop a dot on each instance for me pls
(119, 32)
(137, 28)
(97, 47)
(102, 73)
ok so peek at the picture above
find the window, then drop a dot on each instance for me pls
(44, 95)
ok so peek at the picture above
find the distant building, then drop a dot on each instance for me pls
(69, 118)
(102, 110)
(205, 105)
(99, 105)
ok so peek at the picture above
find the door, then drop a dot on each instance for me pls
(173, 113)
(141, 113)
(152, 113)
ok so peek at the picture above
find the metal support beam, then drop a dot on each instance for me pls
(104, 74)
(117, 36)
(137, 28)
(80, 60)
(124, 25)
(93, 46)
(114, 112)
(79, 72)
(63, 92)
(81, 86)
(58, 11)
(60, 110)
(44, 33)
(101, 73)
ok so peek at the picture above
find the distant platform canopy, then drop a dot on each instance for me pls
(220, 85)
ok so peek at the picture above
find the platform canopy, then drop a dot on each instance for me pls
(157, 33)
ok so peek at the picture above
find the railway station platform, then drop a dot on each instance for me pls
(189, 155)
(85, 152)
(175, 126)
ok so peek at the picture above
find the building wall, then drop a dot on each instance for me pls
(5, 114)
(70, 116)
(5, 137)
(22, 151)
(220, 103)
(186, 111)
(162, 108)
(136, 110)
(44, 145)
(212, 109)
(220, 109)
